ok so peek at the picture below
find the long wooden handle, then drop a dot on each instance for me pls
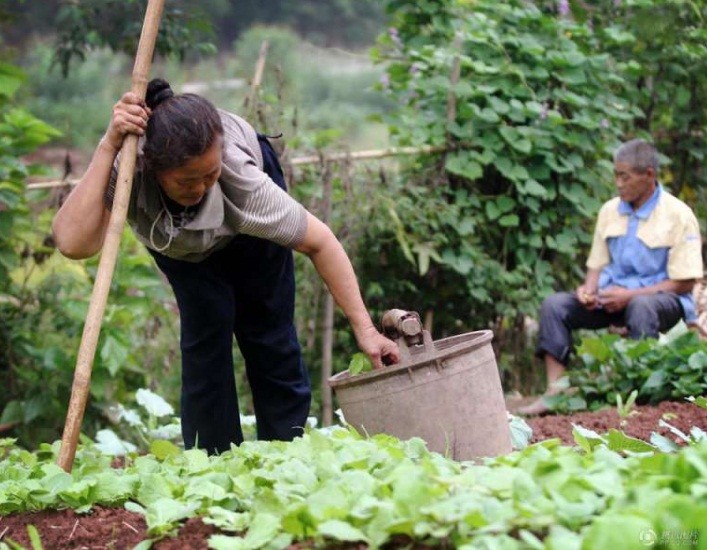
(92, 327)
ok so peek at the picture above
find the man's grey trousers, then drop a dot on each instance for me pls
(561, 313)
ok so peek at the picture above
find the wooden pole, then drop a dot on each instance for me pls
(89, 339)
(372, 154)
(453, 81)
(260, 65)
(251, 99)
(328, 317)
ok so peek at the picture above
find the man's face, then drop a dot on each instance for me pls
(634, 186)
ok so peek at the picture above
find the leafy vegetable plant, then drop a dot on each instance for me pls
(342, 487)
(360, 363)
(671, 367)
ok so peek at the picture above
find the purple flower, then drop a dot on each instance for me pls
(393, 33)
(543, 113)
(604, 123)
(385, 81)
(563, 8)
(414, 68)
(617, 3)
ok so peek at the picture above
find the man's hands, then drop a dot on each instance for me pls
(130, 115)
(613, 299)
(587, 296)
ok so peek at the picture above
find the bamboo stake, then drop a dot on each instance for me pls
(328, 316)
(372, 154)
(251, 99)
(369, 155)
(453, 81)
(89, 339)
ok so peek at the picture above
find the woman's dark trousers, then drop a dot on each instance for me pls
(246, 289)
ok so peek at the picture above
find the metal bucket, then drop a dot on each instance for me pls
(447, 392)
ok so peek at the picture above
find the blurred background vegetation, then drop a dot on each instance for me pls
(528, 98)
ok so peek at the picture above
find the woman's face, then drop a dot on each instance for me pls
(187, 184)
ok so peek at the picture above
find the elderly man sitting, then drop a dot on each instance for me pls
(644, 260)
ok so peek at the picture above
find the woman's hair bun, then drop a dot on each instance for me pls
(158, 90)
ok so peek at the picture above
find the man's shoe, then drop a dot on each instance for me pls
(537, 407)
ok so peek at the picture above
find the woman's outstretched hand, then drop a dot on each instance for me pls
(380, 350)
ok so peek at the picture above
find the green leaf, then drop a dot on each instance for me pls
(699, 401)
(11, 78)
(596, 347)
(532, 187)
(509, 134)
(509, 220)
(359, 363)
(663, 444)
(505, 204)
(225, 542)
(521, 432)
(576, 403)
(492, 211)
(698, 361)
(463, 166)
(164, 514)
(153, 403)
(263, 529)
(655, 380)
(620, 442)
(12, 413)
(163, 449)
(498, 105)
(522, 145)
(489, 115)
(619, 530)
(340, 530)
(586, 439)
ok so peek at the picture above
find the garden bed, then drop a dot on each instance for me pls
(119, 528)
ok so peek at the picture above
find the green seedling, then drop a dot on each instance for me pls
(625, 409)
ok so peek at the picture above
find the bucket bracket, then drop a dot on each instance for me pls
(398, 323)
(405, 328)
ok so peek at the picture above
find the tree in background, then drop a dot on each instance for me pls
(89, 23)
(665, 44)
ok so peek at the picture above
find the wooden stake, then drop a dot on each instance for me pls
(453, 81)
(328, 316)
(251, 99)
(372, 154)
(89, 339)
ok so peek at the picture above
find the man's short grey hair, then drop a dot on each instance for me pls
(638, 154)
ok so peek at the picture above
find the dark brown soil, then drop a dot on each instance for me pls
(103, 528)
(640, 423)
(118, 529)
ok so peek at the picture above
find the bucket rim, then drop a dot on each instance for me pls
(343, 379)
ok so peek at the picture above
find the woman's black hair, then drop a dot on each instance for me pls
(181, 126)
